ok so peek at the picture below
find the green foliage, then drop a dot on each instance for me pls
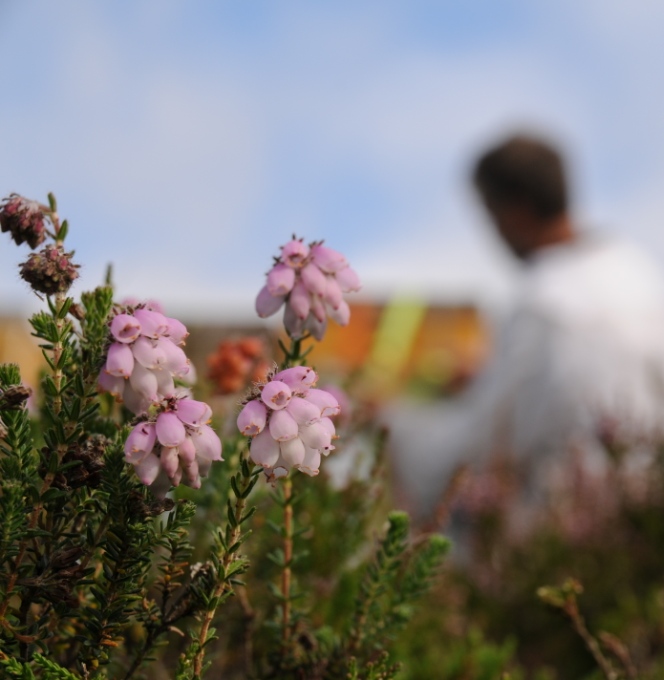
(101, 579)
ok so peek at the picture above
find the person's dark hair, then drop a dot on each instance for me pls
(523, 170)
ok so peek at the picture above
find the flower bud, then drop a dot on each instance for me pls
(24, 220)
(49, 271)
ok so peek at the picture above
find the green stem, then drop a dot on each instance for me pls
(288, 557)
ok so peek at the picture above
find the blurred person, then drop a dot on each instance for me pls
(580, 357)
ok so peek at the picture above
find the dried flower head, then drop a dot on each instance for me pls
(23, 219)
(236, 363)
(50, 271)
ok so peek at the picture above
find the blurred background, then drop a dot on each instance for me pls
(186, 142)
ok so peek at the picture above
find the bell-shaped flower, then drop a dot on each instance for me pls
(294, 253)
(311, 462)
(192, 412)
(144, 382)
(148, 468)
(119, 360)
(125, 328)
(315, 436)
(280, 279)
(207, 443)
(314, 279)
(303, 411)
(348, 280)
(340, 314)
(170, 429)
(149, 353)
(140, 442)
(330, 261)
(292, 451)
(276, 394)
(176, 331)
(111, 383)
(298, 378)
(326, 402)
(264, 450)
(300, 300)
(153, 324)
(252, 418)
(268, 304)
(333, 295)
(283, 426)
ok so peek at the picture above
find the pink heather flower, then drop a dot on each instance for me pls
(145, 350)
(311, 281)
(252, 418)
(174, 446)
(125, 328)
(276, 394)
(287, 421)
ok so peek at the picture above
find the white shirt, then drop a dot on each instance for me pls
(583, 345)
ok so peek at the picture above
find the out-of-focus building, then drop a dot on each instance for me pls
(386, 347)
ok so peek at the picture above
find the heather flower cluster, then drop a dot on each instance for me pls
(310, 280)
(177, 445)
(289, 423)
(23, 219)
(173, 443)
(144, 358)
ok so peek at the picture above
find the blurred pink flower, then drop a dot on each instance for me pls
(311, 281)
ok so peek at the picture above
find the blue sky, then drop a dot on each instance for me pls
(186, 141)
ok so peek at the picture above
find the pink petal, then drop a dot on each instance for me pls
(148, 469)
(292, 323)
(294, 253)
(314, 279)
(153, 324)
(148, 352)
(302, 411)
(170, 430)
(280, 280)
(315, 436)
(187, 450)
(292, 451)
(276, 394)
(252, 418)
(176, 360)
(297, 377)
(300, 301)
(318, 309)
(140, 442)
(111, 383)
(311, 462)
(125, 328)
(133, 401)
(330, 261)
(264, 450)
(165, 384)
(120, 360)
(207, 443)
(267, 304)
(176, 331)
(192, 412)
(326, 402)
(282, 426)
(341, 314)
(316, 327)
(333, 295)
(170, 460)
(144, 382)
(348, 280)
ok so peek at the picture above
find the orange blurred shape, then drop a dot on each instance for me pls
(236, 363)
